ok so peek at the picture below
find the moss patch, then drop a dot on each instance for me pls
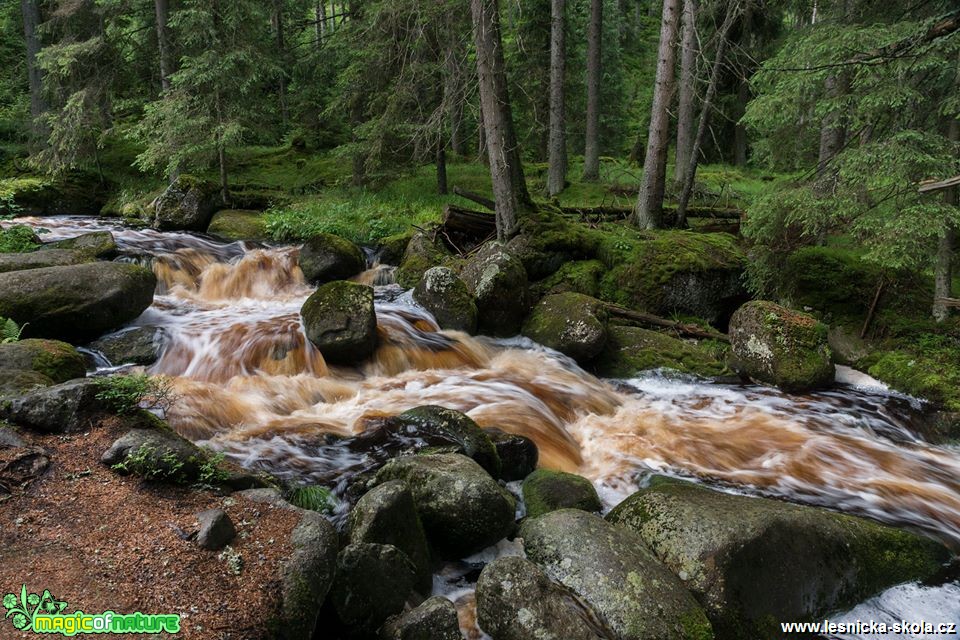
(631, 350)
(238, 224)
(545, 491)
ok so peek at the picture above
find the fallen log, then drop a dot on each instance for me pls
(472, 223)
(475, 197)
(622, 213)
(691, 330)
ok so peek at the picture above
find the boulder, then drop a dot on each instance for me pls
(545, 491)
(754, 562)
(340, 320)
(9, 437)
(445, 295)
(41, 259)
(58, 361)
(156, 454)
(387, 515)
(435, 422)
(15, 382)
(75, 193)
(186, 205)
(632, 350)
(391, 249)
(216, 529)
(570, 323)
(421, 253)
(373, 582)
(611, 568)
(326, 257)
(518, 454)
(778, 346)
(307, 574)
(517, 601)
(238, 224)
(135, 345)
(96, 244)
(435, 619)
(76, 303)
(462, 508)
(58, 409)
(498, 283)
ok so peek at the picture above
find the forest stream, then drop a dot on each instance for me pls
(249, 384)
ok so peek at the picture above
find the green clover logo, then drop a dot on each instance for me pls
(24, 608)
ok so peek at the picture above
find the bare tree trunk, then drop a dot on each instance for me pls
(557, 167)
(690, 173)
(453, 89)
(832, 134)
(591, 149)
(31, 20)
(740, 131)
(944, 267)
(162, 10)
(688, 79)
(282, 52)
(505, 171)
(649, 210)
(441, 169)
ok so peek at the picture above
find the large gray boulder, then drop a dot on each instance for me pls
(445, 295)
(76, 303)
(462, 508)
(498, 283)
(15, 382)
(136, 345)
(307, 574)
(186, 205)
(41, 259)
(755, 562)
(571, 323)
(340, 320)
(517, 601)
(96, 244)
(616, 574)
(57, 360)
(373, 583)
(780, 346)
(435, 619)
(326, 257)
(59, 409)
(458, 428)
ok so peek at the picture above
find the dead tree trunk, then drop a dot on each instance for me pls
(31, 20)
(944, 267)
(557, 167)
(688, 78)
(591, 149)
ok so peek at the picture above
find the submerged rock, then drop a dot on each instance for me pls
(451, 425)
(373, 582)
(462, 508)
(422, 252)
(571, 323)
(781, 347)
(613, 571)
(238, 224)
(96, 244)
(78, 302)
(445, 295)
(137, 345)
(326, 257)
(42, 259)
(58, 409)
(498, 282)
(340, 320)
(435, 619)
(545, 491)
(632, 350)
(518, 454)
(56, 360)
(186, 205)
(755, 562)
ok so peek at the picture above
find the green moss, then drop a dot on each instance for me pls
(630, 350)
(18, 238)
(580, 276)
(58, 361)
(393, 247)
(935, 377)
(695, 625)
(238, 224)
(545, 491)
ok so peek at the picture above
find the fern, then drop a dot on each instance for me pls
(10, 331)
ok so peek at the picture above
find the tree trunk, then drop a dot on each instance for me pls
(282, 55)
(557, 167)
(162, 10)
(453, 89)
(441, 169)
(591, 149)
(832, 134)
(740, 131)
(943, 270)
(31, 20)
(506, 174)
(688, 79)
(649, 209)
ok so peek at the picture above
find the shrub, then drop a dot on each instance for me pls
(125, 394)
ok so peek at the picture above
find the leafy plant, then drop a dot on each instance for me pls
(145, 463)
(10, 331)
(18, 239)
(312, 498)
(125, 394)
(210, 473)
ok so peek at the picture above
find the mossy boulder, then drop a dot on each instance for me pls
(57, 360)
(307, 574)
(373, 582)
(577, 276)
(445, 295)
(340, 320)
(612, 570)
(96, 244)
(135, 345)
(547, 240)
(76, 303)
(518, 454)
(238, 224)
(435, 619)
(570, 323)
(754, 562)
(74, 193)
(456, 427)
(390, 250)
(41, 259)
(186, 205)
(157, 453)
(58, 409)
(516, 600)
(422, 252)
(326, 257)
(545, 491)
(498, 282)
(631, 350)
(16, 382)
(781, 347)
(462, 508)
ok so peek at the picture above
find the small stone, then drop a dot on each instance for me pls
(216, 529)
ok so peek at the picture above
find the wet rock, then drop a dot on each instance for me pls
(387, 515)
(545, 491)
(326, 257)
(571, 323)
(340, 320)
(307, 574)
(156, 454)
(781, 347)
(422, 252)
(518, 454)
(517, 601)
(611, 568)
(445, 295)
(76, 303)
(216, 529)
(58, 409)
(187, 205)
(435, 619)
(498, 283)
(462, 508)
(58, 361)
(14, 382)
(392, 248)
(631, 350)
(136, 345)
(755, 562)
(373, 582)
(41, 259)
(238, 224)
(96, 244)
(435, 422)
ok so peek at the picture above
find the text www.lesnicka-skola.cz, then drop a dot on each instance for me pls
(902, 628)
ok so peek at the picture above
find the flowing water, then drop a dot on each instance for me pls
(252, 386)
